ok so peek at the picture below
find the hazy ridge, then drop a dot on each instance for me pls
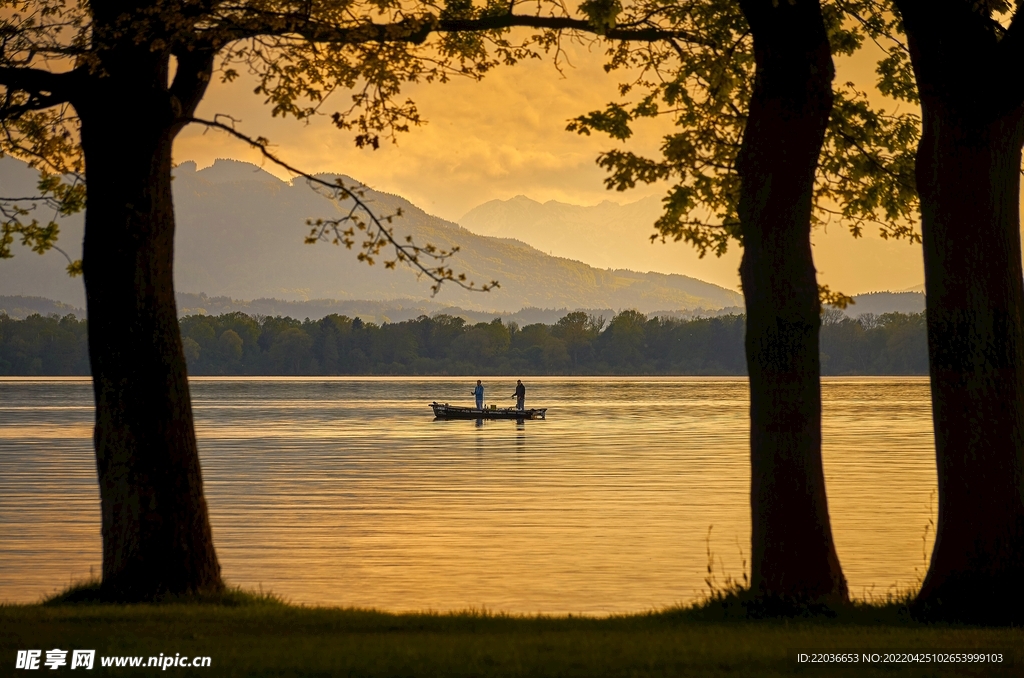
(239, 248)
(381, 311)
(607, 235)
(240, 234)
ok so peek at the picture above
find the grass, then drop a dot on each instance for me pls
(249, 634)
(88, 593)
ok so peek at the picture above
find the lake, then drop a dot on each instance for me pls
(345, 491)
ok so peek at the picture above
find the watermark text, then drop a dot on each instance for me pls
(34, 660)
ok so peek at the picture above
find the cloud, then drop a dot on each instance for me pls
(483, 140)
(505, 136)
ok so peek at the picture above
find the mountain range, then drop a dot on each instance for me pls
(619, 236)
(240, 233)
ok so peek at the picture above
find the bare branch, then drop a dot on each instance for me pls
(378, 235)
(417, 29)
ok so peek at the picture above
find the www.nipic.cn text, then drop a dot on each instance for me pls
(56, 658)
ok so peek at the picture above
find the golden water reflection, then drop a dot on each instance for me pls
(346, 492)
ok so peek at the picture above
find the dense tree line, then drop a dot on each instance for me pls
(39, 345)
(631, 343)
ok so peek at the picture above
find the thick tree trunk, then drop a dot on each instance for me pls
(793, 555)
(156, 533)
(968, 176)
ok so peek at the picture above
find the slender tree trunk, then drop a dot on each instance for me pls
(968, 177)
(156, 532)
(793, 555)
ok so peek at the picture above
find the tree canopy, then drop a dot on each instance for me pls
(688, 60)
(866, 169)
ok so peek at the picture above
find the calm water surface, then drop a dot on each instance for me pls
(346, 492)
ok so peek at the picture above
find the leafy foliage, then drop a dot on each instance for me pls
(54, 53)
(48, 140)
(38, 345)
(691, 60)
(866, 166)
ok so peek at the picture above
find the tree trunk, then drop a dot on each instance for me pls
(968, 175)
(156, 532)
(793, 555)
(968, 178)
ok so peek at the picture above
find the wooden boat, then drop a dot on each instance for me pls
(446, 411)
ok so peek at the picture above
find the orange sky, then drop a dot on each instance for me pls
(506, 136)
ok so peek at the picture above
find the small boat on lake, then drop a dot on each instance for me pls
(446, 411)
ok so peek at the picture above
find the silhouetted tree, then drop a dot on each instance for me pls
(793, 551)
(968, 173)
(99, 90)
(764, 148)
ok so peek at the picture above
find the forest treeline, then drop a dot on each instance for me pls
(628, 343)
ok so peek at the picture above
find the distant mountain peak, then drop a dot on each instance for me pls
(227, 170)
(518, 199)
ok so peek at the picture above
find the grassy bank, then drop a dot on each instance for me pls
(262, 637)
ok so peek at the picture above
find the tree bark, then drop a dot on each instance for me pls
(968, 178)
(156, 532)
(793, 555)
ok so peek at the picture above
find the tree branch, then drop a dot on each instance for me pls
(56, 88)
(379, 235)
(191, 79)
(416, 30)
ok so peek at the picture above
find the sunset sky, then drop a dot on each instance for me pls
(506, 136)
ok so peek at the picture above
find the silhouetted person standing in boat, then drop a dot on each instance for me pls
(520, 394)
(479, 393)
